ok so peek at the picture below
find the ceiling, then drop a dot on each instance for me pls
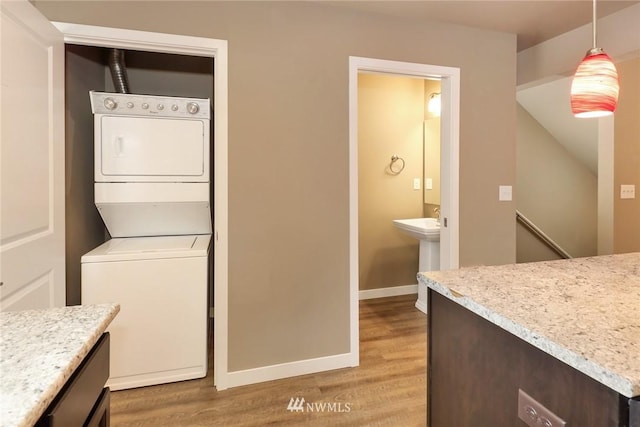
(533, 21)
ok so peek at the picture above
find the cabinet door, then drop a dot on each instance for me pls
(31, 159)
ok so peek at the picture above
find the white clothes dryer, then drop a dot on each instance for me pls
(160, 334)
(151, 169)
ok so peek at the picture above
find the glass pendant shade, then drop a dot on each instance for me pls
(594, 90)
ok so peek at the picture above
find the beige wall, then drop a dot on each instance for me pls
(626, 223)
(390, 117)
(555, 191)
(288, 152)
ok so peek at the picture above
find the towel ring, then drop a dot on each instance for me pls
(399, 168)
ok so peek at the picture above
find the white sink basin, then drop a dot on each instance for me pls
(420, 228)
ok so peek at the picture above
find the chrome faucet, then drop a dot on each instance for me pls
(436, 212)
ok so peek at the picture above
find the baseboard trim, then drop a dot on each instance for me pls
(388, 292)
(291, 369)
(421, 305)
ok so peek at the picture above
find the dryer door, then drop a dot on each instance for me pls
(141, 149)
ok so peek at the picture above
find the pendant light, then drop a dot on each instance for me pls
(594, 90)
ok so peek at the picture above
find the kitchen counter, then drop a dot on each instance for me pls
(584, 312)
(39, 351)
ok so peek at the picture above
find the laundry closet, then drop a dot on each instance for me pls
(156, 76)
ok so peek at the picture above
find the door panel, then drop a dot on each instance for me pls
(31, 160)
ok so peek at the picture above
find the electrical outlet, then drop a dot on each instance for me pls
(416, 183)
(627, 191)
(534, 414)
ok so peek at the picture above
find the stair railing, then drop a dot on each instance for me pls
(548, 241)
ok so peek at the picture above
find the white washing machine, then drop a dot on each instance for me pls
(152, 191)
(160, 334)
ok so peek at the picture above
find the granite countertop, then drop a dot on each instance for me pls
(39, 350)
(583, 311)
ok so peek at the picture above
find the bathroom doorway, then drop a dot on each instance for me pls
(449, 160)
(398, 178)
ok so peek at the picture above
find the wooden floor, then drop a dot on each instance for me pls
(387, 389)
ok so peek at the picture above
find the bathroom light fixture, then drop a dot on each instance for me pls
(433, 106)
(594, 89)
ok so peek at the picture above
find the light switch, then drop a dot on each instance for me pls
(416, 183)
(428, 184)
(628, 191)
(505, 193)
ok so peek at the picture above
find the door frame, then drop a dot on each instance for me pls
(89, 35)
(449, 157)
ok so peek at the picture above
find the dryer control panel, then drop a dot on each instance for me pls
(149, 105)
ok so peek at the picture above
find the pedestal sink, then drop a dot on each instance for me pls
(427, 231)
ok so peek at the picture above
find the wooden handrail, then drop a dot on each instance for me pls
(548, 241)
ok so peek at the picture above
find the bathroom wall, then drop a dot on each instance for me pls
(626, 223)
(390, 117)
(289, 145)
(555, 191)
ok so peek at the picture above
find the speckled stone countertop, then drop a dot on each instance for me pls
(583, 311)
(39, 350)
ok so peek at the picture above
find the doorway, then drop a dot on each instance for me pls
(449, 158)
(85, 35)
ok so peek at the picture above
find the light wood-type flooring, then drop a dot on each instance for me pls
(387, 389)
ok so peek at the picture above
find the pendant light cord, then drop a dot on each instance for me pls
(594, 24)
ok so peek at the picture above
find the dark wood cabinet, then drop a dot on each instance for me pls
(475, 370)
(84, 399)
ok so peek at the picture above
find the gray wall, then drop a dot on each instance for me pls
(288, 152)
(85, 230)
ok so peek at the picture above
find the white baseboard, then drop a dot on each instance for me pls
(387, 292)
(291, 369)
(421, 305)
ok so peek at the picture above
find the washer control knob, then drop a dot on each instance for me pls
(110, 103)
(193, 108)
(129, 104)
(174, 107)
(145, 106)
(160, 107)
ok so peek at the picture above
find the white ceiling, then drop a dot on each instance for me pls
(533, 21)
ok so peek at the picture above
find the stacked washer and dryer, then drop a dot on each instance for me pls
(152, 160)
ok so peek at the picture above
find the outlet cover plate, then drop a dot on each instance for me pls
(505, 193)
(534, 414)
(627, 191)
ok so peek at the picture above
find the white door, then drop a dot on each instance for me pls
(32, 252)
